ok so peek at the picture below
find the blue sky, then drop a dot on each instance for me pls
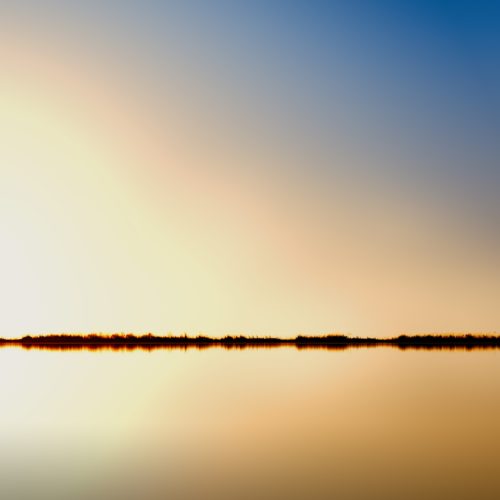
(362, 134)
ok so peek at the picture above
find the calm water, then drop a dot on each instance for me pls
(257, 423)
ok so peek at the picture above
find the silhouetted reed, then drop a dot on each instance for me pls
(333, 342)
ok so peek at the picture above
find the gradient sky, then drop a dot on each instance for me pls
(263, 167)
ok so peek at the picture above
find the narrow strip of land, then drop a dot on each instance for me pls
(149, 342)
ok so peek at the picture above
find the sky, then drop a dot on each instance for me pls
(267, 168)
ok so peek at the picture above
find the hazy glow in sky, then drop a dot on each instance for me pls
(274, 168)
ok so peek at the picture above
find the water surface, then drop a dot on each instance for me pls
(254, 423)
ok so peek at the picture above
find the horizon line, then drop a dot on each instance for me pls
(332, 341)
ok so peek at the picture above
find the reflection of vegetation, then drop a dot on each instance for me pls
(149, 342)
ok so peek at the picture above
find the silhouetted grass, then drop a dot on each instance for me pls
(149, 342)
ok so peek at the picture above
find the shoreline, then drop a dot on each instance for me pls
(334, 342)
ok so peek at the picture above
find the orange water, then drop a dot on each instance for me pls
(258, 423)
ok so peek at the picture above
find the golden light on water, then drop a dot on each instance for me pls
(305, 423)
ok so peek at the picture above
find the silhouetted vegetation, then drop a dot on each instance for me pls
(149, 342)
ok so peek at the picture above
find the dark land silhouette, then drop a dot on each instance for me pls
(334, 342)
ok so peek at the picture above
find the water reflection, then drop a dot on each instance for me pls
(240, 347)
(223, 423)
